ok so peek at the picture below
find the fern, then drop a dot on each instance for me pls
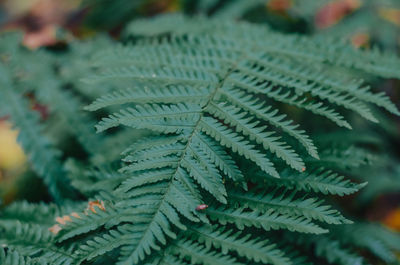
(201, 157)
(254, 249)
(164, 173)
(14, 258)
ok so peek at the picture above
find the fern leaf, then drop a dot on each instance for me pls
(142, 235)
(167, 259)
(235, 117)
(321, 79)
(219, 157)
(267, 220)
(234, 141)
(33, 213)
(253, 106)
(164, 76)
(205, 173)
(329, 249)
(33, 240)
(93, 220)
(166, 119)
(100, 245)
(376, 239)
(15, 258)
(288, 204)
(332, 96)
(321, 181)
(172, 94)
(254, 249)
(227, 76)
(198, 254)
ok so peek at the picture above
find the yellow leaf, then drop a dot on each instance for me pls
(11, 154)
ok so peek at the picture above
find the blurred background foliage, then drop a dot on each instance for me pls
(366, 24)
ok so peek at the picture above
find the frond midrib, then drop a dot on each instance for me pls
(184, 152)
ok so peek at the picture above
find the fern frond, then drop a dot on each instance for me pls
(34, 240)
(164, 119)
(268, 220)
(14, 258)
(344, 157)
(237, 118)
(331, 250)
(92, 220)
(33, 213)
(196, 253)
(102, 244)
(320, 93)
(314, 51)
(231, 139)
(319, 180)
(155, 207)
(164, 76)
(377, 240)
(206, 175)
(167, 259)
(268, 114)
(219, 157)
(152, 141)
(234, 84)
(172, 94)
(287, 203)
(320, 79)
(252, 248)
(144, 232)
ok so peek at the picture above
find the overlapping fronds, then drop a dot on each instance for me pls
(210, 92)
(226, 172)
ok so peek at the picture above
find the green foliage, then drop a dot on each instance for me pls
(217, 167)
(44, 157)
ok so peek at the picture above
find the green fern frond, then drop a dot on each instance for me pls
(268, 114)
(164, 119)
(219, 157)
(316, 50)
(218, 169)
(252, 248)
(268, 220)
(288, 203)
(34, 240)
(229, 138)
(235, 75)
(319, 181)
(236, 118)
(14, 258)
(326, 248)
(376, 239)
(196, 253)
(33, 213)
(345, 157)
(91, 220)
(100, 245)
(168, 95)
